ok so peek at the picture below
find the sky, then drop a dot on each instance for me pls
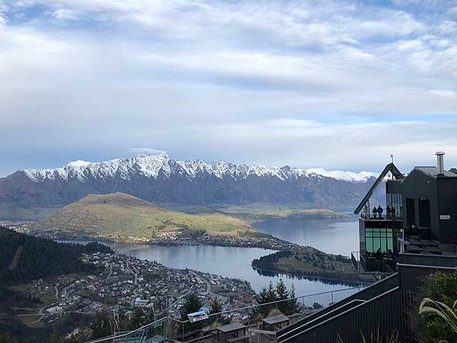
(332, 84)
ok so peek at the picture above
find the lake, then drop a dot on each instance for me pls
(337, 236)
(333, 236)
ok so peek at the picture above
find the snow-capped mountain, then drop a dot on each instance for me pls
(160, 179)
(151, 166)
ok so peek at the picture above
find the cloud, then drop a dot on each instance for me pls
(147, 151)
(264, 81)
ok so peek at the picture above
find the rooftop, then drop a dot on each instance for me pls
(433, 171)
(417, 245)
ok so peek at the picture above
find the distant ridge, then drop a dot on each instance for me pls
(35, 193)
(151, 165)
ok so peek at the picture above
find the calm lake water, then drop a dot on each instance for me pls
(335, 236)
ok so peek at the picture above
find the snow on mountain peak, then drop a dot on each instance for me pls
(362, 176)
(151, 165)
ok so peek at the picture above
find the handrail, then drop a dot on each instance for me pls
(144, 327)
(345, 312)
(325, 314)
(365, 294)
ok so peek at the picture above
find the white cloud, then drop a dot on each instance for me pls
(269, 78)
(147, 151)
(443, 93)
(63, 14)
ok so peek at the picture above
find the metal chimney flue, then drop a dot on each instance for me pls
(440, 162)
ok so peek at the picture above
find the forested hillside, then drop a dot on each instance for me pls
(24, 258)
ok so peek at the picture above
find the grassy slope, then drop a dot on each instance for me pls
(12, 212)
(121, 215)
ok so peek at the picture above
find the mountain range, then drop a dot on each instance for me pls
(35, 193)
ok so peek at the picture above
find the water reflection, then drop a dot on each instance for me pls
(311, 278)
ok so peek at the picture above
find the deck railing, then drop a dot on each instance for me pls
(177, 330)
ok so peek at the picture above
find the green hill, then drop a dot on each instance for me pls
(124, 217)
(24, 258)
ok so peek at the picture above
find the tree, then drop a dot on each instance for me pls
(281, 290)
(292, 305)
(54, 338)
(6, 338)
(441, 287)
(272, 294)
(266, 295)
(215, 307)
(192, 304)
(101, 325)
(317, 306)
(140, 317)
(282, 294)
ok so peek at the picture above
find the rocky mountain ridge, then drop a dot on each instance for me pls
(151, 165)
(30, 193)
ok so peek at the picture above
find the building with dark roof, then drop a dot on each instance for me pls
(412, 236)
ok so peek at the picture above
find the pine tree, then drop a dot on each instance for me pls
(292, 305)
(266, 295)
(271, 293)
(192, 304)
(215, 307)
(282, 294)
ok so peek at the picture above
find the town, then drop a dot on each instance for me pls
(125, 283)
(201, 237)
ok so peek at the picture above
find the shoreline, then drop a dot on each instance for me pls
(248, 240)
(324, 279)
(188, 238)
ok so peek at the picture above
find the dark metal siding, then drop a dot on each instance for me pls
(389, 308)
(368, 293)
(447, 204)
(382, 313)
(441, 192)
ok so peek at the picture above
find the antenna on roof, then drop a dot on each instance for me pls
(392, 159)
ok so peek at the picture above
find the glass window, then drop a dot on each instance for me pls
(379, 240)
